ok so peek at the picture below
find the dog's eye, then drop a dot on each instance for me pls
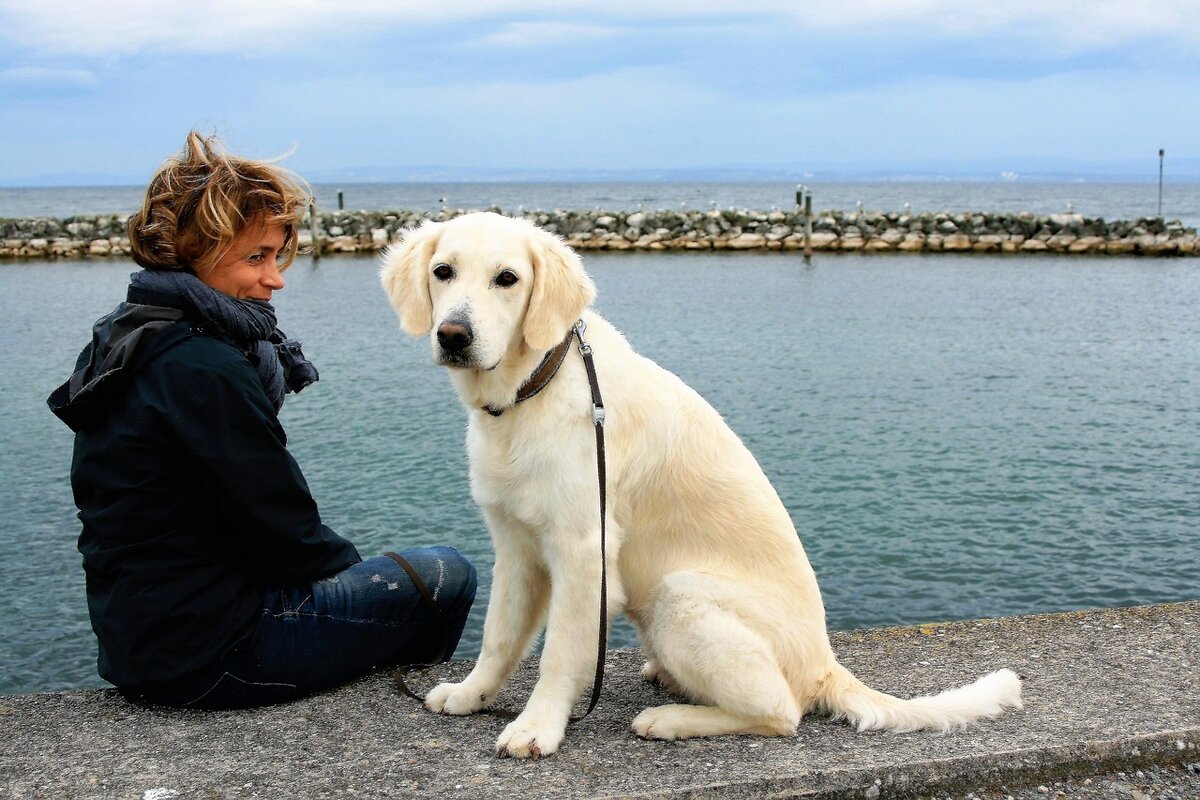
(443, 272)
(506, 278)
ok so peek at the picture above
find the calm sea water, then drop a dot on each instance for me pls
(954, 437)
(1108, 200)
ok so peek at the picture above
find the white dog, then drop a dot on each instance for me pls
(702, 556)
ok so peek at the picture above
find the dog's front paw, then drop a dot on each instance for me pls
(455, 698)
(528, 737)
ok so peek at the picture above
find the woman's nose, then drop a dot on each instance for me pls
(272, 277)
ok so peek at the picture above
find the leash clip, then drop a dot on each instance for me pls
(584, 348)
(598, 416)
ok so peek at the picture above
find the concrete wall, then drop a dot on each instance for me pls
(1110, 689)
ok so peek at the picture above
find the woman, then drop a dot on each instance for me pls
(211, 580)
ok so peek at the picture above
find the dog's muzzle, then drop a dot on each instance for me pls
(454, 338)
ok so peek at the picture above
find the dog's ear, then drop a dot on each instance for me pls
(561, 291)
(405, 277)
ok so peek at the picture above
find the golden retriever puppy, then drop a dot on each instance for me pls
(702, 555)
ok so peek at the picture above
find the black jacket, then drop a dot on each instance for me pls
(190, 502)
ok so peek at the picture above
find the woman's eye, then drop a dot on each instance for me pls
(443, 272)
(506, 278)
(257, 258)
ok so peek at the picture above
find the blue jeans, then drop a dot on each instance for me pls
(316, 636)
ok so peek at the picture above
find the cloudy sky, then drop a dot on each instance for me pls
(102, 91)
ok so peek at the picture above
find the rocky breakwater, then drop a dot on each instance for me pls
(663, 230)
(47, 237)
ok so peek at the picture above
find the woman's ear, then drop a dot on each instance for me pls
(405, 277)
(561, 291)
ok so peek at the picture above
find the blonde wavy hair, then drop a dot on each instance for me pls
(200, 200)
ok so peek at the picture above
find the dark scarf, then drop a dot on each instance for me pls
(247, 324)
(145, 325)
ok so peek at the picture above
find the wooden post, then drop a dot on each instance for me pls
(341, 200)
(314, 230)
(807, 226)
(1161, 153)
(804, 201)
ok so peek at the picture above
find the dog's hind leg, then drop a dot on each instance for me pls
(718, 660)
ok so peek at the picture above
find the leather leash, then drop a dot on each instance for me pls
(547, 370)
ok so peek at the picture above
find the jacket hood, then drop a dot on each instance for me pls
(122, 341)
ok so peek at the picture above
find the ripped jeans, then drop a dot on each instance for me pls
(316, 636)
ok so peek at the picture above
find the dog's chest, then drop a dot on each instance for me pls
(528, 469)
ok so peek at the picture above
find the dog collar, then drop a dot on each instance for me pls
(541, 376)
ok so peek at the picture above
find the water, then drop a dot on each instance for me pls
(954, 437)
(1111, 201)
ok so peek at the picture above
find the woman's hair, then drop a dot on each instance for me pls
(200, 200)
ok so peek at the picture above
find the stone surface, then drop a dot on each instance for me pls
(1105, 690)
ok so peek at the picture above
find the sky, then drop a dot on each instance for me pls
(101, 92)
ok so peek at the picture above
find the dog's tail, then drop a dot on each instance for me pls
(846, 697)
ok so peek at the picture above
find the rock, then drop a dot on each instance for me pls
(823, 240)
(1059, 242)
(747, 241)
(1066, 220)
(1087, 244)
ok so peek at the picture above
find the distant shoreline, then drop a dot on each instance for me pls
(103, 235)
(1143, 174)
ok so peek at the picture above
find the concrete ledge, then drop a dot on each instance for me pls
(1105, 689)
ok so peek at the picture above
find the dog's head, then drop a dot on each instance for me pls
(482, 285)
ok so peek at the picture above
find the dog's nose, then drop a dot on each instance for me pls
(454, 337)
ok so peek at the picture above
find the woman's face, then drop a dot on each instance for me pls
(249, 269)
